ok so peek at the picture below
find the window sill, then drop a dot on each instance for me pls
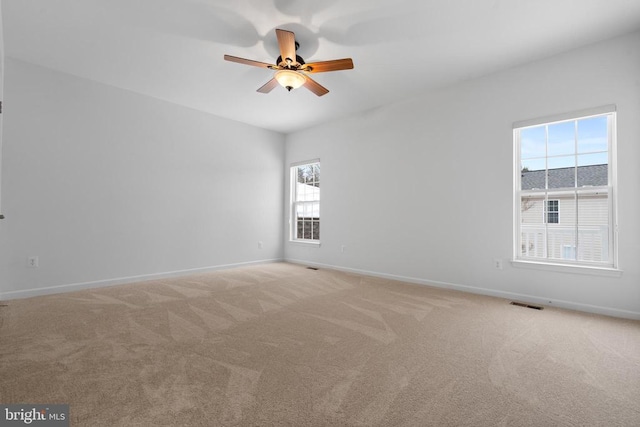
(312, 243)
(567, 268)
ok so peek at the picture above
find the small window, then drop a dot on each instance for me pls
(552, 212)
(305, 202)
(565, 188)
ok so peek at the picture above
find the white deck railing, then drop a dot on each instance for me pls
(559, 242)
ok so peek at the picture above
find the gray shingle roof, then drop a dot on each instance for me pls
(593, 175)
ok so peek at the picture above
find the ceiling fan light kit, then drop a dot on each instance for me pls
(289, 79)
(291, 70)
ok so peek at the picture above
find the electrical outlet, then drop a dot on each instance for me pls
(260, 244)
(32, 262)
(497, 264)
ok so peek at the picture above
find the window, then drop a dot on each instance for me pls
(566, 165)
(305, 201)
(552, 212)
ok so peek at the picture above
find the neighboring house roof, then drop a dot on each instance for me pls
(307, 192)
(593, 175)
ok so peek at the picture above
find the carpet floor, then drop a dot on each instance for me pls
(282, 345)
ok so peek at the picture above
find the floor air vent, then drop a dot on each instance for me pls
(521, 304)
(312, 268)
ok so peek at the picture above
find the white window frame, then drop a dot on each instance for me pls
(294, 203)
(610, 267)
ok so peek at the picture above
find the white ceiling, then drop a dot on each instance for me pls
(173, 49)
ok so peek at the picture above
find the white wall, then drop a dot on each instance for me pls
(1, 96)
(103, 184)
(434, 176)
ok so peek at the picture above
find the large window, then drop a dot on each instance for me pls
(305, 201)
(565, 188)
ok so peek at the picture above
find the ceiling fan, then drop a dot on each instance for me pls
(291, 70)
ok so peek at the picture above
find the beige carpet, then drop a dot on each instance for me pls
(283, 345)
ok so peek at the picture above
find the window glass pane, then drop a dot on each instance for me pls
(307, 210)
(532, 227)
(299, 228)
(308, 173)
(533, 164)
(307, 192)
(558, 239)
(316, 230)
(532, 142)
(592, 175)
(561, 139)
(562, 172)
(531, 210)
(530, 180)
(302, 173)
(306, 232)
(561, 162)
(592, 134)
(593, 227)
(593, 159)
(561, 227)
(533, 241)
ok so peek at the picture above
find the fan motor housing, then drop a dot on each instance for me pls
(299, 60)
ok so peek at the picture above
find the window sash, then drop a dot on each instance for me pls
(544, 241)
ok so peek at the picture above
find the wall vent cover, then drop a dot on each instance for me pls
(522, 304)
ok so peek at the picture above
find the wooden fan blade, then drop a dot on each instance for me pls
(268, 86)
(287, 44)
(324, 66)
(314, 86)
(249, 62)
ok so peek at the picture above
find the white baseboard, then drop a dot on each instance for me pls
(550, 302)
(607, 311)
(27, 293)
